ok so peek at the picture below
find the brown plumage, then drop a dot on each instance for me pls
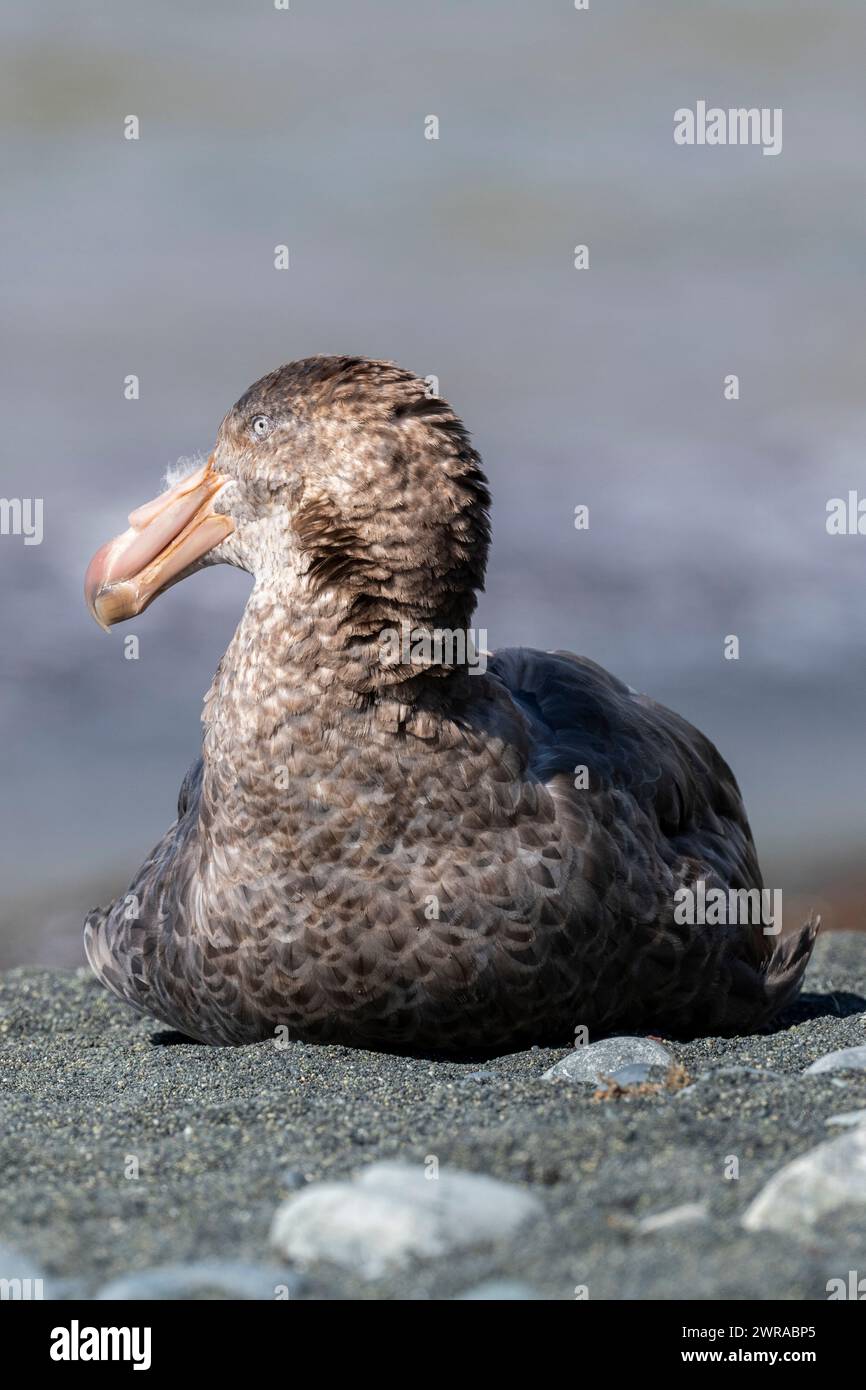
(399, 854)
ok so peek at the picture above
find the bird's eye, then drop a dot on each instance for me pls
(261, 427)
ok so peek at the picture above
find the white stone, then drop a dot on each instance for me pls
(847, 1118)
(831, 1176)
(392, 1212)
(587, 1064)
(499, 1291)
(846, 1059)
(686, 1215)
(226, 1277)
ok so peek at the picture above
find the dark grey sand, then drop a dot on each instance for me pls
(223, 1135)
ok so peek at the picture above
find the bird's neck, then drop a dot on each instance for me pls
(297, 679)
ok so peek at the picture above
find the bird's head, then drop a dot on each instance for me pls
(337, 479)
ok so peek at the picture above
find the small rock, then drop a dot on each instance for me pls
(846, 1059)
(636, 1074)
(500, 1291)
(831, 1176)
(205, 1280)
(848, 1117)
(685, 1215)
(587, 1064)
(391, 1212)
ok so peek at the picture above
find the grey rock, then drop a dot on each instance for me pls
(828, 1177)
(391, 1212)
(635, 1074)
(847, 1118)
(845, 1059)
(293, 1180)
(499, 1291)
(206, 1279)
(688, 1214)
(587, 1064)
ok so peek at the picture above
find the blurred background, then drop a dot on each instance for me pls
(601, 387)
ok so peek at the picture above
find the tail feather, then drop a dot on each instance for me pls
(103, 959)
(757, 996)
(787, 965)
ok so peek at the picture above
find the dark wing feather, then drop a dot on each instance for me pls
(665, 811)
(120, 940)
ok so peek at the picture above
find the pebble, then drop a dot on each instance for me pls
(499, 1291)
(293, 1179)
(685, 1215)
(845, 1059)
(392, 1212)
(831, 1176)
(636, 1074)
(848, 1117)
(206, 1279)
(587, 1064)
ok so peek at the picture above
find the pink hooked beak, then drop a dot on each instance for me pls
(165, 537)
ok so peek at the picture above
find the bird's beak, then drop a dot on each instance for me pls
(165, 537)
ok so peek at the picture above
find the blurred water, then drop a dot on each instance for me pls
(454, 257)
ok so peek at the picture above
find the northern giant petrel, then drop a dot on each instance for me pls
(411, 853)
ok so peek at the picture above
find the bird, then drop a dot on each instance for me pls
(412, 846)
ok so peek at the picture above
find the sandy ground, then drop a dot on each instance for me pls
(221, 1136)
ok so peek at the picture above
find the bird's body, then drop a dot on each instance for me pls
(426, 857)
